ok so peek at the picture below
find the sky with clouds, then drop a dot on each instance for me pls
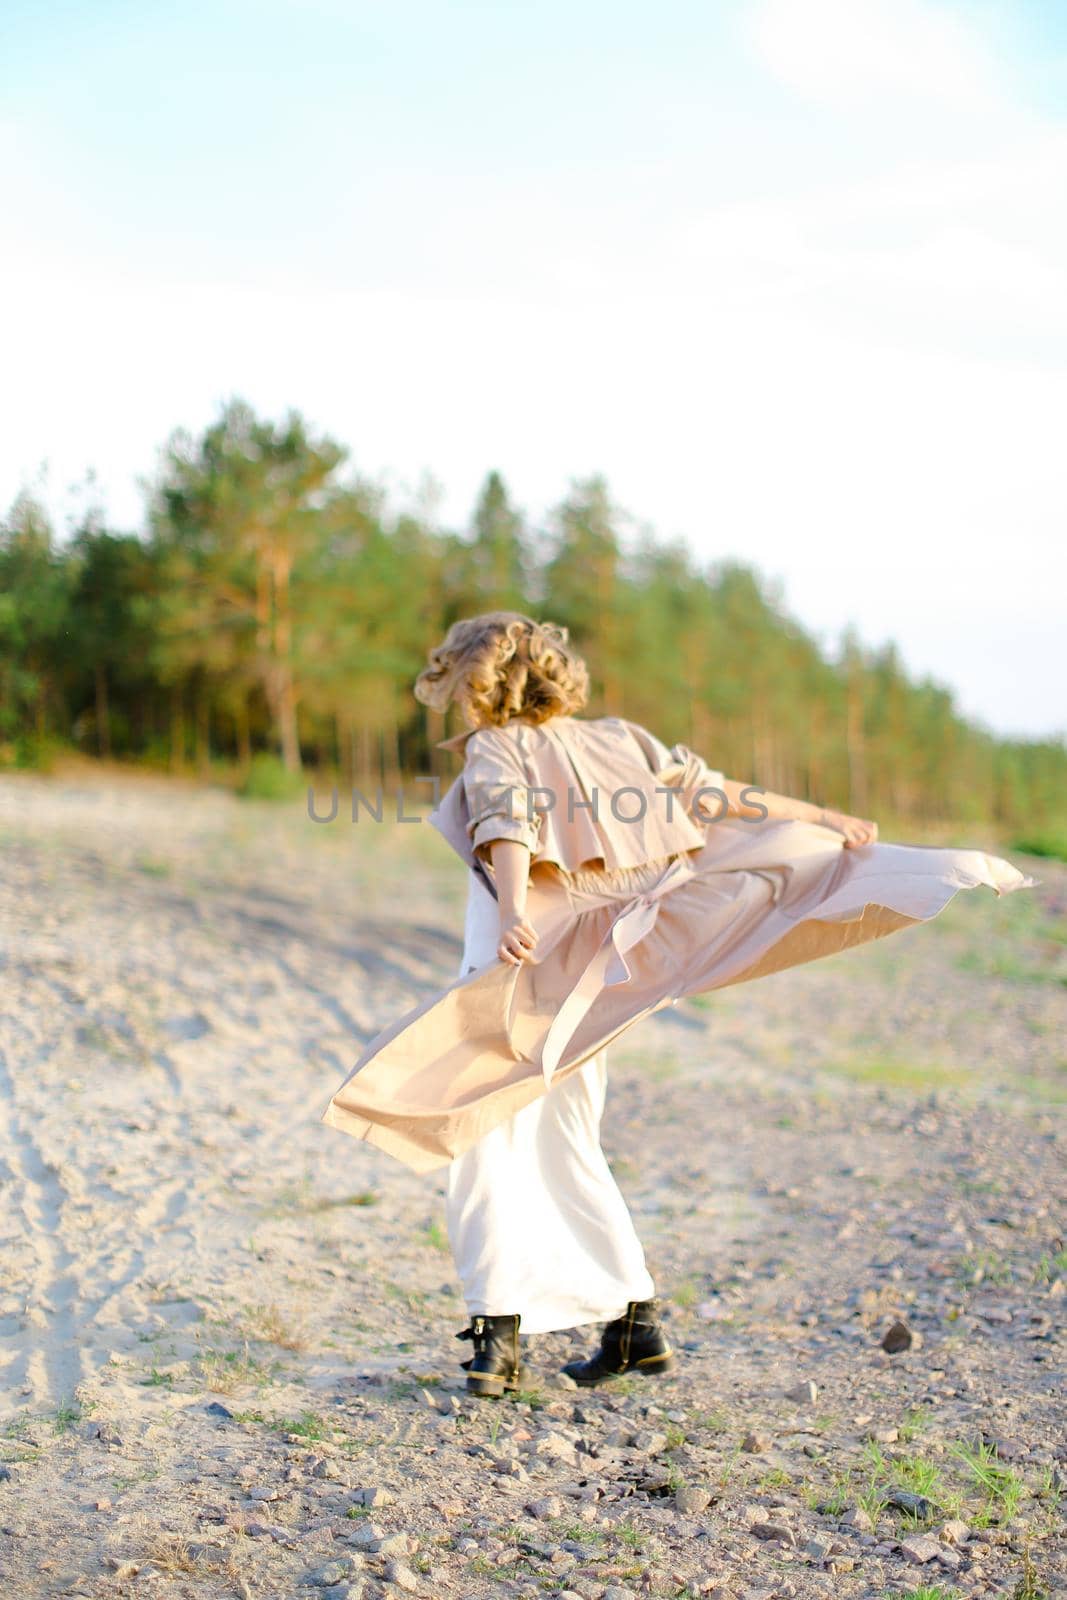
(790, 273)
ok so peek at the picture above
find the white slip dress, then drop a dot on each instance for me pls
(536, 1222)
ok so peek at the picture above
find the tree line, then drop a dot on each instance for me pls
(274, 602)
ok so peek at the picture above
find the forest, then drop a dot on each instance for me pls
(268, 619)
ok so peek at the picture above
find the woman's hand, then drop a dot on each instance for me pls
(517, 940)
(857, 830)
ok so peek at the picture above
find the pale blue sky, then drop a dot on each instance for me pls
(791, 273)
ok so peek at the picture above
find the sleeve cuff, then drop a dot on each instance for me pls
(495, 827)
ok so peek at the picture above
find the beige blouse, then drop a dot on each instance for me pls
(602, 792)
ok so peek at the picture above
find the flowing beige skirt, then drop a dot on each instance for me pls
(616, 946)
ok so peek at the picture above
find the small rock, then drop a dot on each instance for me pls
(534, 1547)
(917, 1505)
(1007, 1449)
(263, 1494)
(650, 1442)
(953, 1532)
(122, 1571)
(403, 1577)
(545, 1509)
(949, 1558)
(217, 1409)
(615, 1592)
(325, 1468)
(396, 1544)
(332, 1573)
(898, 1336)
(691, 1500)
(338, 1591)
(804, 1394)
(366, 1536)
(753, 1443)
(858, 1520)
(920, 1548)
(773, 1530)
(375, 1497)
(554, 1447)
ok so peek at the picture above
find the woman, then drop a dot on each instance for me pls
(609, 876)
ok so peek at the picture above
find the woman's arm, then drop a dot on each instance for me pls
(511, 872)
(782, 807)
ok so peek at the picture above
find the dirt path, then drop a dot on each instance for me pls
(226, 1330)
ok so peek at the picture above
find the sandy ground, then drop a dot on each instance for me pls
(226, 1330)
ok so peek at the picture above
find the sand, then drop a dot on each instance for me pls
(225, 1327)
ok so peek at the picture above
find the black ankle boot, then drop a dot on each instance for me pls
(495, 1364)
(634, 1342)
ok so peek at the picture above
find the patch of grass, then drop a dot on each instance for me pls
(833, 1500)
(65, 1416)
(414, 1299)
(728, 1466)
(530, 1397)
(362, 1197)
(1007, 964)
(1050, 1268)
(267, 778)
(267, 1324)
(776, 1478)
(983, 1266)
(687, 1294)
(435, 1236)
(403, 1389)
(873, 1500)
(711, 1421)
(132, 1479)
(1048, 842)
(307, 1426)
(1028, 1586)
(153, 868)
(1048, 1490)
(914, 1421)
(662, 1069)
(578, 1532)
(1000, 1486)
(925, 1591)
(156, 1379)
(897, 1072)
(223, 1371)
(169, 1552)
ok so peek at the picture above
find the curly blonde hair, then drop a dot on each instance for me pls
(503, 665)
